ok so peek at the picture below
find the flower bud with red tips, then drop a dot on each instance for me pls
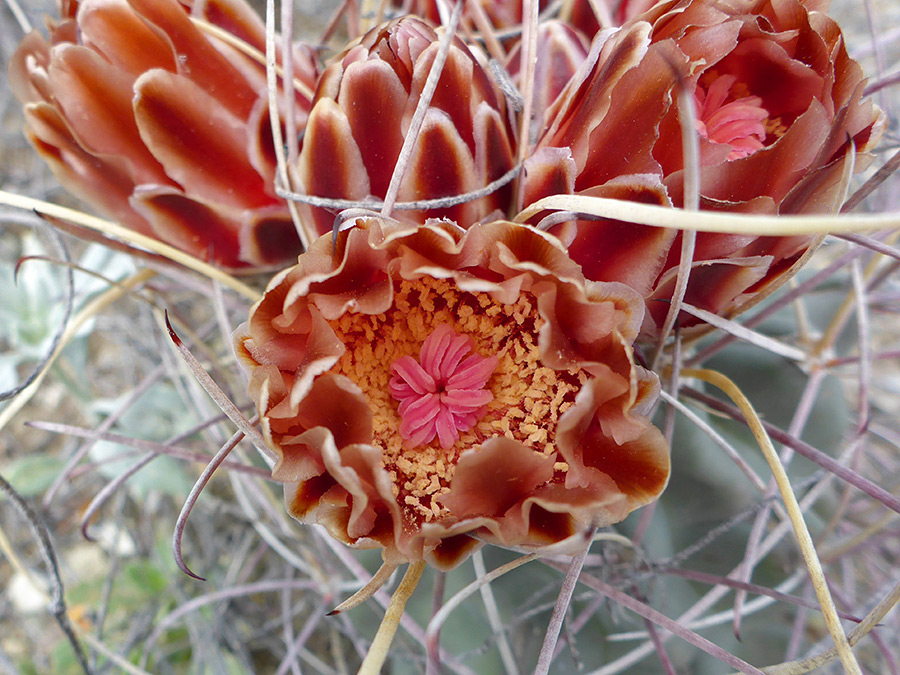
(363, 106)
(781, 125)
(163, 127)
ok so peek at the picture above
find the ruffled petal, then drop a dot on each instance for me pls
(534, 390)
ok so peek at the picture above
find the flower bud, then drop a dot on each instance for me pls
(161, 125)
(780, 121)
(362, 109)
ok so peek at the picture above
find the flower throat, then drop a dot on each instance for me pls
(450, 369)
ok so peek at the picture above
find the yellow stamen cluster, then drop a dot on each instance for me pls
(528, 397)
(738, 89)
(775, 127)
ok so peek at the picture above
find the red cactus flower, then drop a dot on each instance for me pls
(363, 106)
(160, 125)
(780, 119)
(427, 388)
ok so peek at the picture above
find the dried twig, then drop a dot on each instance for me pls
(710, 221)
(493, 614)
(181, 523)
(545, 660)
(48, 553)
(115, 230)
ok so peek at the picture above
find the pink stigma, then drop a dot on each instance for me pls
(738, 123)
(443, 392)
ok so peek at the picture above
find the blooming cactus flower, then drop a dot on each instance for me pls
(363, 106)
(163, 127)
(780, 120)
(427, 388)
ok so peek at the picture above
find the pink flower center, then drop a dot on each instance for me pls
(739, 123)
(443, 392)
